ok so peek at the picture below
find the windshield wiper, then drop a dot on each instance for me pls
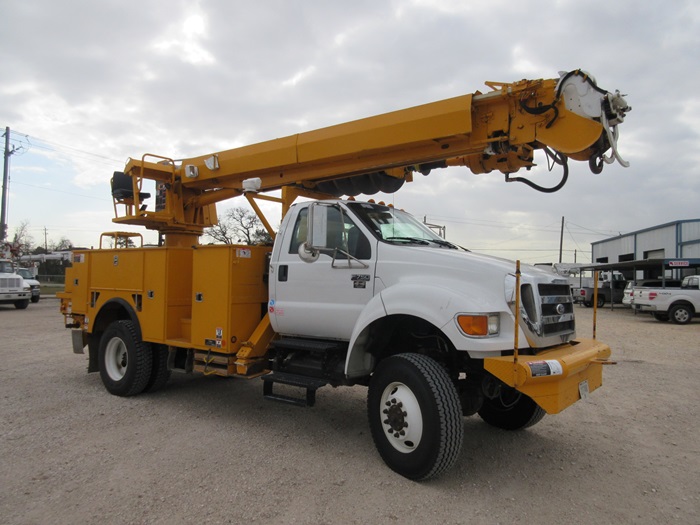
(414, 240)
(447, 244)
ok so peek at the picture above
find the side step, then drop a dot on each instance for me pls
(310, 383)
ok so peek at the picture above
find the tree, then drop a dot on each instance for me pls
(22, 241)
(62, 245)
(239, 225)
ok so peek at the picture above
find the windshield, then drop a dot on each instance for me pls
(5, 267)
(25, 273)
(396, 226)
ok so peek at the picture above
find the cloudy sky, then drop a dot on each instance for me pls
(86, 84)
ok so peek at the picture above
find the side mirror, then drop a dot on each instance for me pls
(316, 232)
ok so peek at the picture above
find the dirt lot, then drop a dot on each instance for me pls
(212, 450)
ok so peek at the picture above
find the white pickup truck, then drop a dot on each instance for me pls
(679, 305)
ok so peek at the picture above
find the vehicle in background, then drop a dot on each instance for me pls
(13, 289)
(628, 298)
(679, 305)
(29, 279)
(611, 287)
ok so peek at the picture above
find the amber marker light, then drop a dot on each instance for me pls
(478, 325)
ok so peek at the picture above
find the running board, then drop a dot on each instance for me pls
(310, 383)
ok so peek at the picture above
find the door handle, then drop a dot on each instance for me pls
(282, 272)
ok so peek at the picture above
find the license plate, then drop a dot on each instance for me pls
(583, 389)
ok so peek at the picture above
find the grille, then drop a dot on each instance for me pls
(557, 309)
(10, 282)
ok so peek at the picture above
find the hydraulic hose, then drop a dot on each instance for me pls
(557, 158)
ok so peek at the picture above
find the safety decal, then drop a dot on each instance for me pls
(550, 367)
(244, 253)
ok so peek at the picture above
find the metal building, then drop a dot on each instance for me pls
(678, 239)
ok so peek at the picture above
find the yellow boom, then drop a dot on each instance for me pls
(569, 117)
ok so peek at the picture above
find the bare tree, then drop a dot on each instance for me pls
(239, 225)
(62, 245)
(22, 240)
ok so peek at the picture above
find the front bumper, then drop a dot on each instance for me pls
(557, 377)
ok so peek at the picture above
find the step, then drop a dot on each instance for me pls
(311, 384)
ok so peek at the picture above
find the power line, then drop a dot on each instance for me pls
(62, 146)
(61, 191)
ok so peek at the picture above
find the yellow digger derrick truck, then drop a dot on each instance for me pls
(353, 292)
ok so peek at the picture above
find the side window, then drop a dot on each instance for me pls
(342, 234)
(299, 232)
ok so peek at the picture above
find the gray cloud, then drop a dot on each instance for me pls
(183, 78)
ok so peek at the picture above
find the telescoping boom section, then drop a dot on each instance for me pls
(568, 118)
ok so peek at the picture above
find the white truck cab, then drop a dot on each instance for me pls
(367, 269)
(13, 289)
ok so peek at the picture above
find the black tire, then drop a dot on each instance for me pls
(22, 304)
(601, 301)
(511, 410)
(681, 314)
(124, 360)
(415, 416)
(660, 317)
(159, 369)
(35, 298)
(588, 304)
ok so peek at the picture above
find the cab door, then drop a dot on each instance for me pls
(325, 297)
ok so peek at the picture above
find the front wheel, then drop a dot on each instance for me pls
(124, 360)
(35, 298)
(22, 304)
(415, 416)
(511, 410)
(601, 301)
(681, 314)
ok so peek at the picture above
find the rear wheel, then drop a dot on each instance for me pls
(601, 301)
(511, 410)
(681, 314)
(159, 369)
(125, 361)
(415, 416)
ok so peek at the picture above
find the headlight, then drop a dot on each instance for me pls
(479, 325)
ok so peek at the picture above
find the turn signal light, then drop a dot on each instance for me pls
(479, 325)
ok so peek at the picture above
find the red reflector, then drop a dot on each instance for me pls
(652, 295)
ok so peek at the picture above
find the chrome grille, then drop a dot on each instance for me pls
(557, 309)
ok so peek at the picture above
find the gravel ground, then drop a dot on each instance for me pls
(212, 450)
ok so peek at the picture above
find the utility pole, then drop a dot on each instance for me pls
(561, 239)
(5, 177)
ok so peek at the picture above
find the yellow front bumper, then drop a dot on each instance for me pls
(557, 377)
